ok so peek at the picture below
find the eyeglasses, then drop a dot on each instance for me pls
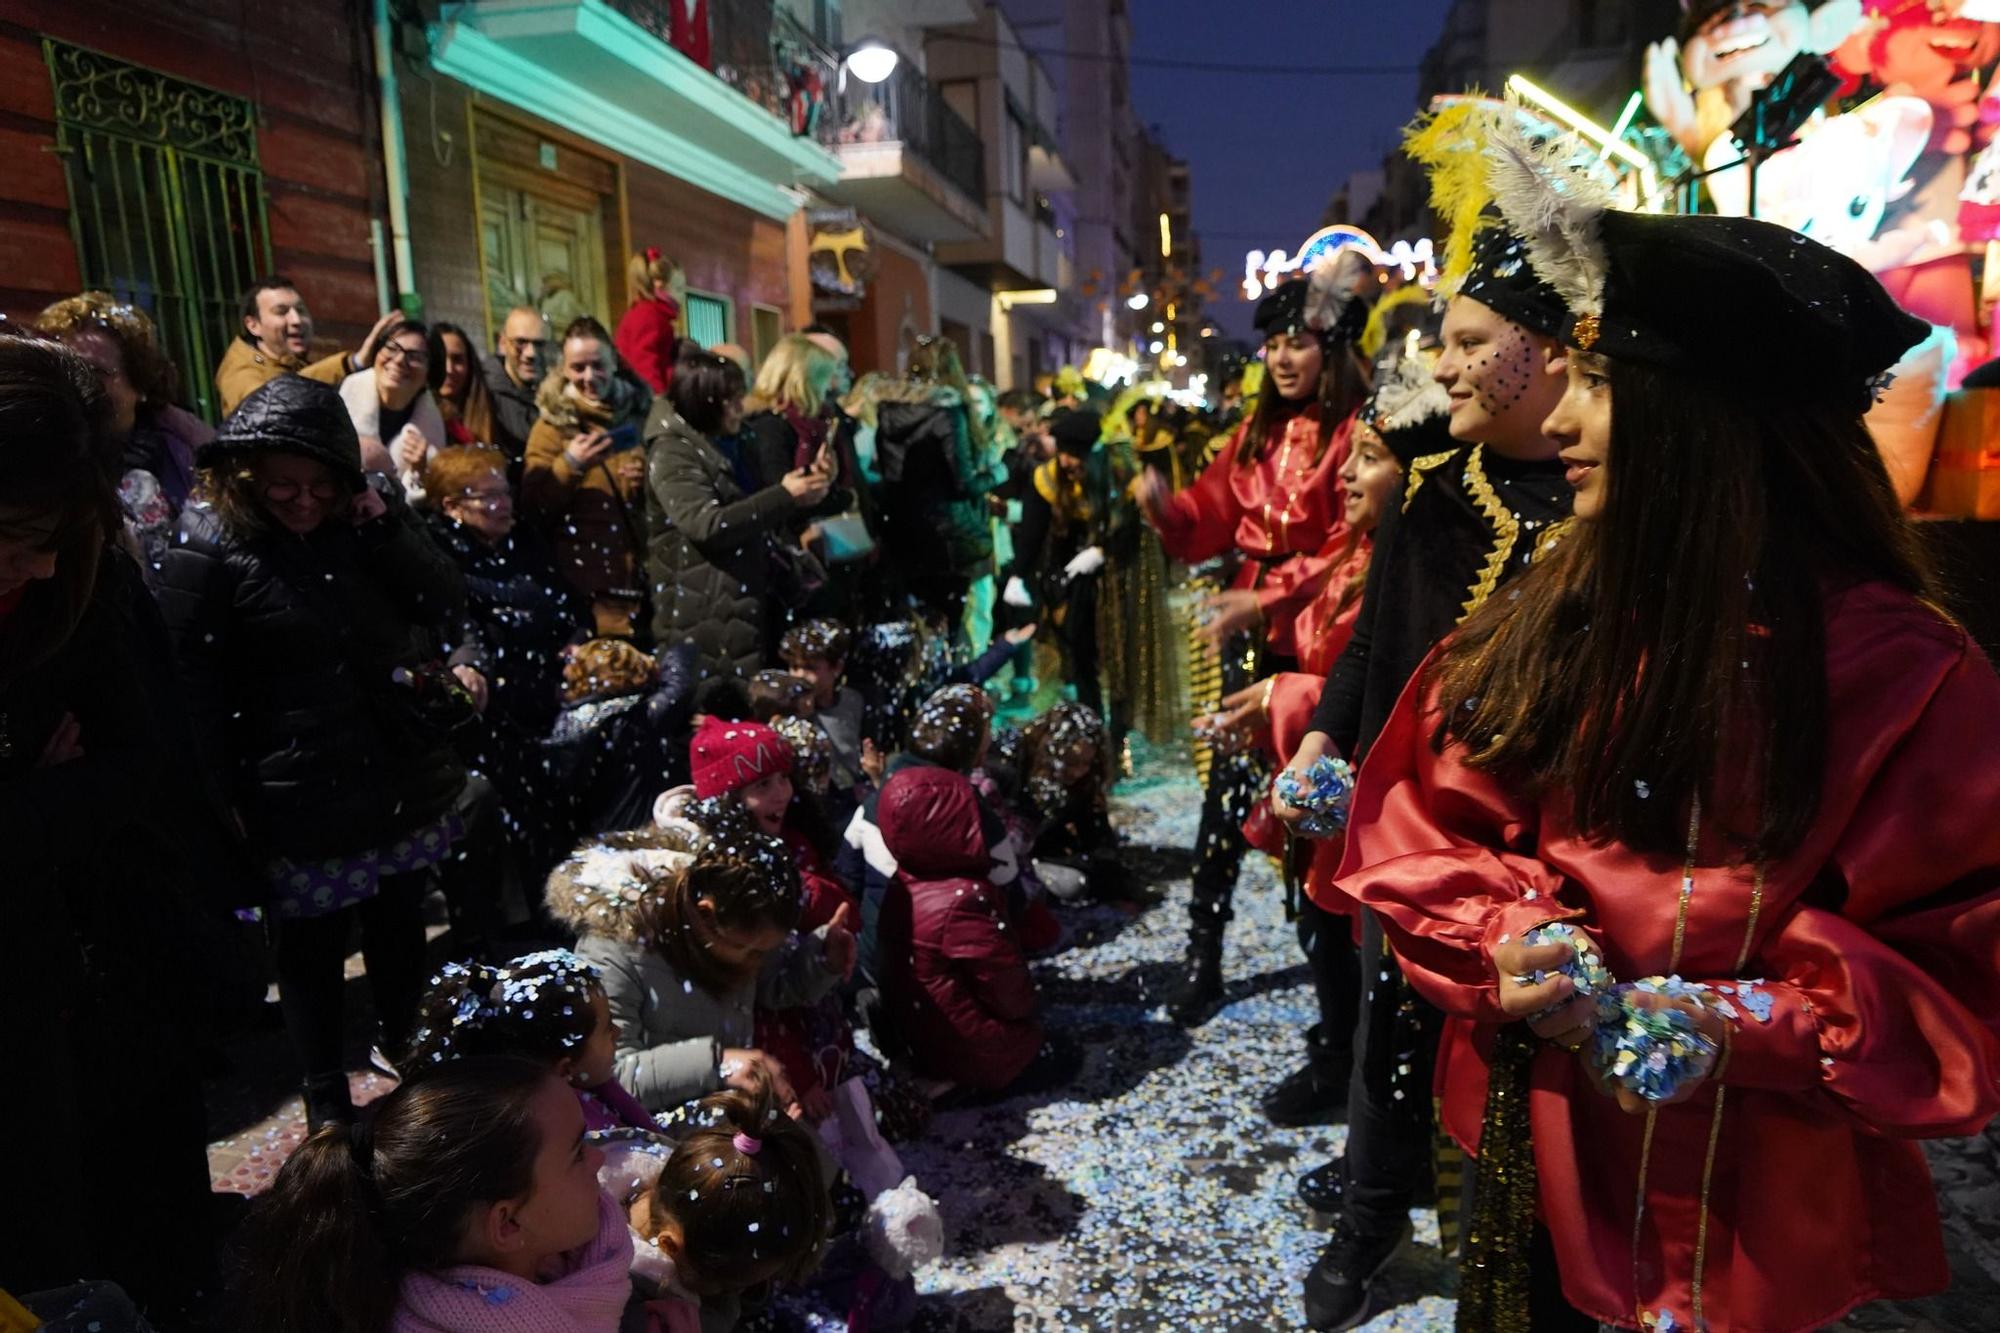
(409, 356)
(516, 344)
(488, 499)
(283, 492)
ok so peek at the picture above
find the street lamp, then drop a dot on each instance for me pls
(1137, 300)
(871, 61)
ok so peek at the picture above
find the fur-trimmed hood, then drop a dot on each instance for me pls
(928, 392)
(611, 884)
(568, 413)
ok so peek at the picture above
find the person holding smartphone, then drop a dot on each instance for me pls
(585, 476)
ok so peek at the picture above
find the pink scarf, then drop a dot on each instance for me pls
(589, 1297)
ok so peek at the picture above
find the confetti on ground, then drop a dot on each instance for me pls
(1152, 1194)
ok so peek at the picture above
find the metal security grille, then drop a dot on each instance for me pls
(166, 201)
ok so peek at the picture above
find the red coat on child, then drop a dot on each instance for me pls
(955, 983)
(647, 339)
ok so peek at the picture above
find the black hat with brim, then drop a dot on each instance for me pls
(290, 415)
(1075, 430)
(1748, 304)
(1283, 309)
(1502, 279)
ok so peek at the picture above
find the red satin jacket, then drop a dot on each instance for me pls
(1877, 943)
(1281, 513)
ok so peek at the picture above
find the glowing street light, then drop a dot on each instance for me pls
(871, 61)
(1138, 300)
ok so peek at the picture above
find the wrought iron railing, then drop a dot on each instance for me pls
(762, 52)
(907, 107)
(166, 201)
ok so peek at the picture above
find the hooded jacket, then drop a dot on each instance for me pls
(287, 648)
(955, 985)
(710, 551)
(934, 482)
(671, 1032)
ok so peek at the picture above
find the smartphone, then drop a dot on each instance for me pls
(625, 436)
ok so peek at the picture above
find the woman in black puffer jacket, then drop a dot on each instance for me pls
(719, 546)
(303, 603)
(931, 453)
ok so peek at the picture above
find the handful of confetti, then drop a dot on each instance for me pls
(1585, 965)
(1652, 1052)
(1324, 791)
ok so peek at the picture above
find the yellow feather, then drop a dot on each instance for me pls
(1450, 144)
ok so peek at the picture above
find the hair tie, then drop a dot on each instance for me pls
(653, 254)
(747, 1145)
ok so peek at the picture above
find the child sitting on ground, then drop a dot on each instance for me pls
(816, 652)
(957, 998)
(465, 1199)
(621, 736)
(686, 954)
(549, 1007)
(1063, 762)
(740, 1204)
(743, 790)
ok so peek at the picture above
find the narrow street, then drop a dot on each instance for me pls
(1153, 1195)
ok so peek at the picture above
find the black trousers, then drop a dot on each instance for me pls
(1389, 1093)
(1335, 964)
(1235, 782)
(309, 956)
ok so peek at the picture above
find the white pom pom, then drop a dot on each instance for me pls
(904, 1231)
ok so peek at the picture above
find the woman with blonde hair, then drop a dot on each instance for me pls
(649, 332)
(794, 417)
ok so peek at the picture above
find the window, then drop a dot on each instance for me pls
(826, 23)
(767, 325)
(708, 318)
(166, 201)
(1014, 156)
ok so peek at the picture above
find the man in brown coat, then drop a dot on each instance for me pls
(277, 337)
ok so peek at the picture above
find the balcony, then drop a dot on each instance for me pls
(908, 160)
(608, 70)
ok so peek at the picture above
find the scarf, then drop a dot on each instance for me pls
(589, 1297)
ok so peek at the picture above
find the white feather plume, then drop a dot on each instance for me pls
(1330, 283)
(1552, 201)
(1406, 396)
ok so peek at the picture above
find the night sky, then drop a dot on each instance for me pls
(1266, 152)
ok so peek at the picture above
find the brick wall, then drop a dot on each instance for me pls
(303, 64)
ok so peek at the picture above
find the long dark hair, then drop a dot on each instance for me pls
(1685, 622)
(55, 460)
(704, 384)
(477, 409)
(744, 1218)
(352, 1211)
(1343, 387)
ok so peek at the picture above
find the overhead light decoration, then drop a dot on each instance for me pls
(1138, 300)
(872, 61)
(1156, 346)
(1029, 296)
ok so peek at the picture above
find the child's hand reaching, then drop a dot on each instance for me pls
(840, 943)
(873, 763)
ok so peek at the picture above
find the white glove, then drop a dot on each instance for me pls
(1017, 593)
(1087, 561)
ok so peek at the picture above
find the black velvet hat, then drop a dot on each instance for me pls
(1283, 308)
(1745, 302)
(1502, 279)
(1075, 430)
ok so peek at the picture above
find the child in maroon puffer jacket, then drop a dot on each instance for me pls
(956, 993)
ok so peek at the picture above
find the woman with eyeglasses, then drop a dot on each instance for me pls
(304, 602)
(521, 614)
(392, 408)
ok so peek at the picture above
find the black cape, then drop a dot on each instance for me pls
(1470, 520)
